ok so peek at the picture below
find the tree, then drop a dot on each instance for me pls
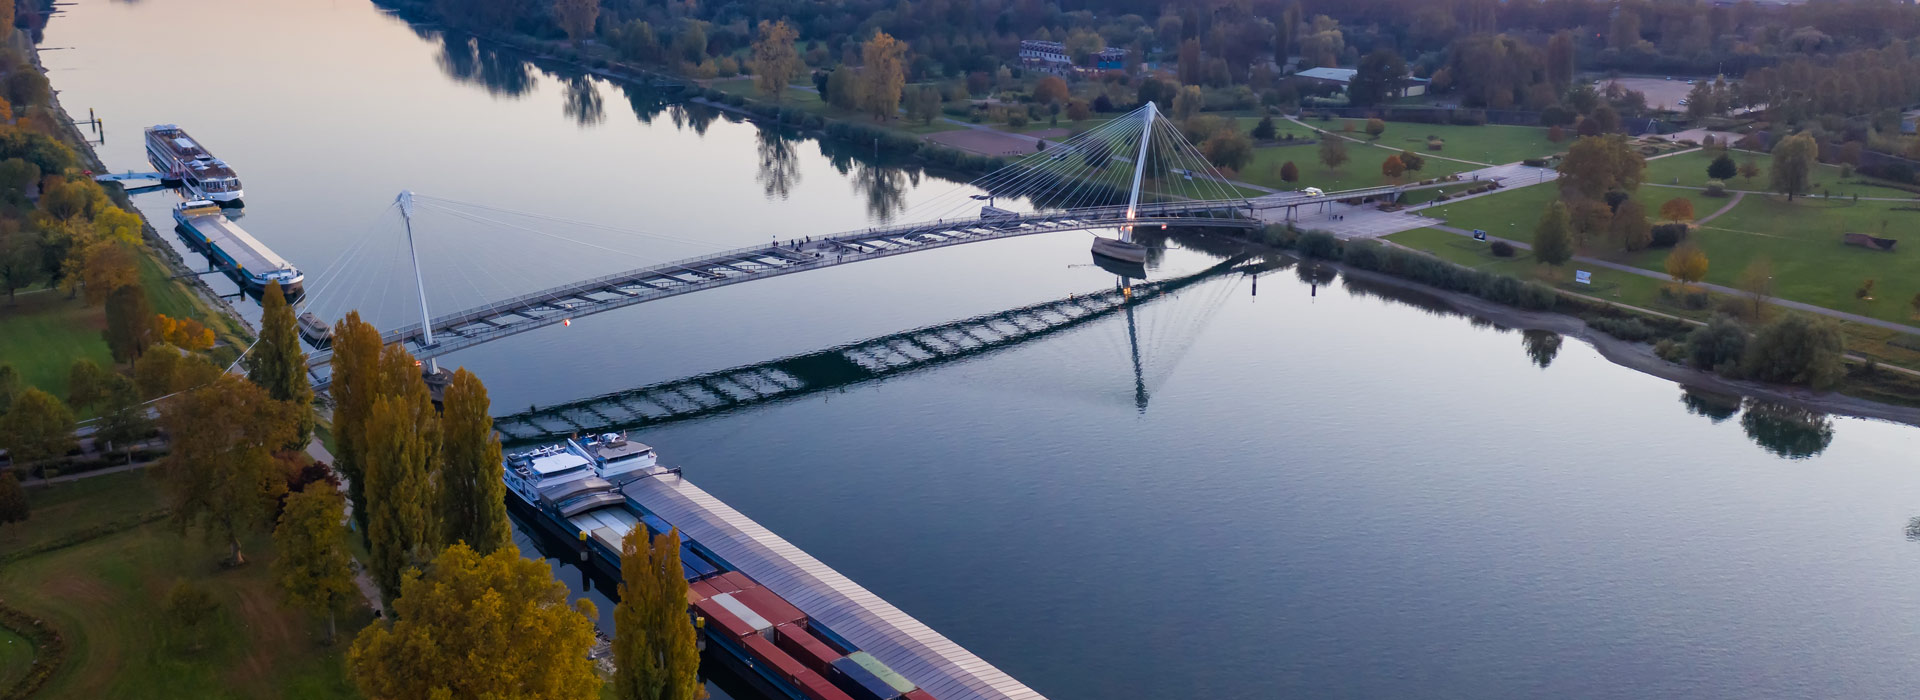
(1082, 45)
(1051, 90)
(1718, 345)
(1188, 102)
(19, 257)
(1793, 160)
(356, 383)
(1553, 237)
(1797, 349)
(313, 569)
(37, 427)
(653, 648)
(1333, 151)
(109, 266)
(1749, 170)
(278, 363)
(1228, 148)
(184, 333)
(188, 608)
(1078, 111)
(844, 91)
(123, 417)
(1264, 131)
(1556, 134)
(402, 453)
(1596, 164)
(1412, 160)
(221, 475)
(1392, 168)
(472, 627)
(1560, 54)
(1376, 78)
(9, 387)
(1723, 167)
(1677, 209)
(883, 75)
(473, 496)
(1757, 281)
(129, 323)
(14, 506)
(86, 383)
(1687, 264)
(924, 104)
(1630, 226)
(775, 62)
(1376, 127)
(1289, 172)
(576, 18)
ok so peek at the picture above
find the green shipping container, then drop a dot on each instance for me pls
(896, 680)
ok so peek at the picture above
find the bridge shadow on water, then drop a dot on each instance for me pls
(790, 378)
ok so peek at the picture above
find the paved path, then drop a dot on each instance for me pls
(1787, 303)
(1737, 196)
(1296, 120)
(1804, 196)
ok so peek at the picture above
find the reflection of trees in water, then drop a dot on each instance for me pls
(885, 189)
(583, 103)
(1788, 431)
(779, 168)
(469, 61)
(1715, 406)
(1542, 346)
(692, 116)
(1312, 272)
(1913, 529)
(646, 101)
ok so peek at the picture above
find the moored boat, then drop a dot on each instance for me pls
(180, 158)
(231, 247)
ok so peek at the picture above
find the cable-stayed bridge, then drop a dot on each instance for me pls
(1137, 170)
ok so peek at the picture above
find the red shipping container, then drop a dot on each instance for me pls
(736, 581)
(806, 647)
(917, 694)
(770, 605)
(783, 665)
(731, 625)
(815, 686)
(704, 588)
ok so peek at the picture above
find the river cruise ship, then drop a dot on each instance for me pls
(179, 158)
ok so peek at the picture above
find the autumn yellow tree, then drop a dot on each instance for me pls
(1677, 209)
(35, 427)
(278, 363)
(1687, 264)
(775, 62)
(478, 627)
(356, 383)
(473, 497)
(184, 333)
(883, 74)
(221, 475)
(313, 568)
(402, 453)
(1393, 168)
(653, 648)
(577, 17)
(110, 265)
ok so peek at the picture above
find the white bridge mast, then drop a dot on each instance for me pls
(1139, 168)
(405, 200)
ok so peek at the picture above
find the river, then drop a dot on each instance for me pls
(1328, 493)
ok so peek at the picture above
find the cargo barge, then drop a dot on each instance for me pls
(179, 158)
(231, 247)
(779, 617)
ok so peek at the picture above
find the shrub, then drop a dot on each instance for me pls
(1716, 188)
(1538, 297)
(1668, 235)
(1628, 329)
(1797, 349)
(1318, 244)
(1502, 249)
(1535, 162)
(1718, 345)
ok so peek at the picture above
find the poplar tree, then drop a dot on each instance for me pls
(402, 457)
(775, 62)
(884, 73)
(476, 627)
(473, 499)
(653, 648)
(221, 474)
(279, 364)
(356, 383)
(313, 568)
(1552, 237)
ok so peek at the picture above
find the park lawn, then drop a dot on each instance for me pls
(105, 597)
(43, 332)
(1810, 264)
(16, 655)
(63, 509)
(1690, 170)
(1513, 213)
(1281, 128)
(1491, 144)
(1362, 170)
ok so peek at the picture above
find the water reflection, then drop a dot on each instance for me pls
(1715, 406)
(779, 169)
(1789, 431)
(885, 188)
(1542, 346)
(583, 104)
(472, 62)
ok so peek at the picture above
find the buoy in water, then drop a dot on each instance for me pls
(566, 322)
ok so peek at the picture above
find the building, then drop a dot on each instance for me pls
(1049, 56)
(1343, 77)
(1111, 58)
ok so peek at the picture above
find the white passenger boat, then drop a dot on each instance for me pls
(179, 158)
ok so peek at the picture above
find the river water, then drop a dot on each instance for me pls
(1328, 493)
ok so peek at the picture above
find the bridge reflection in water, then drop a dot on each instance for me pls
(867, 360)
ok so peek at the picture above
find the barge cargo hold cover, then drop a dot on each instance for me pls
(905, 644)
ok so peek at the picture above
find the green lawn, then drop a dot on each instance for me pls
(43, 332)
(1492, 144)
(1362, 170)
(1690, 170)
(105, 595)
(16, 655)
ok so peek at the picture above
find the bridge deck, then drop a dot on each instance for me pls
(497, 320)
(903, 643)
